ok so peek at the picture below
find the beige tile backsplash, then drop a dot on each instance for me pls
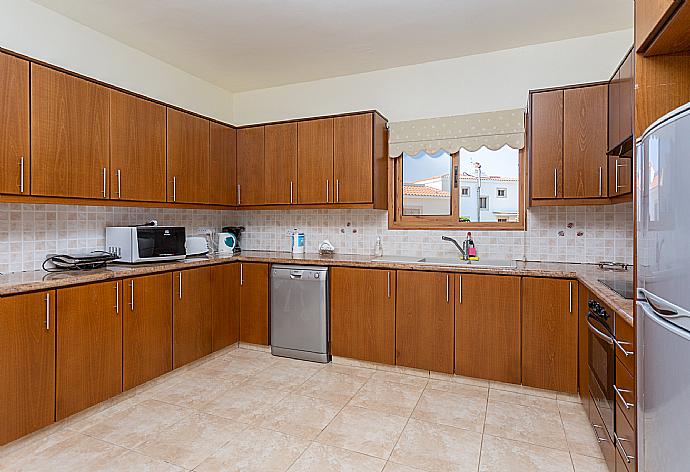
(566, 234)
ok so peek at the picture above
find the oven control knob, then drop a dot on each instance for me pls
(316, 275)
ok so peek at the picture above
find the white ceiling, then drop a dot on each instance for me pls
(250, 44)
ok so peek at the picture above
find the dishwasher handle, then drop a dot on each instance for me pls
(296, 274)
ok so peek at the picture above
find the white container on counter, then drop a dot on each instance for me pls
(297, 242)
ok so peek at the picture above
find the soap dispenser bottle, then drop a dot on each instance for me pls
(471, 248)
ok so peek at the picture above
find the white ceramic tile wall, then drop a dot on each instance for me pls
(29, 232)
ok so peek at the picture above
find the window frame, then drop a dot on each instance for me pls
(469, 191)
(505, 192)
(396, 219)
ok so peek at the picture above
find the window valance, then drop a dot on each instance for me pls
(493, 130)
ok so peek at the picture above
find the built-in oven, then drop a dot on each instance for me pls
(602, 365)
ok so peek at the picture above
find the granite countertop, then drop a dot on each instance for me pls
(588, 274)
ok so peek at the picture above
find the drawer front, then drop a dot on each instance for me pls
(624, 389)
(608, 450)
(621, 464)
(626, 441)
(625, 346)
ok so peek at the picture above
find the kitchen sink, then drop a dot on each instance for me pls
(446, 261)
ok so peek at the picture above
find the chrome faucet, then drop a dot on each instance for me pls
(462, 249)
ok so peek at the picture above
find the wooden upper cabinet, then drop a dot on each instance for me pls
(223, 165)
(137, 149)
(225, 304)
(546, 131)
(250, 166)
(620, 176)
(363, 314)
(627, 98)
(89, 346)
(651, 18)
(487, 327)
(424, 328)
(188, 158)
(280, 168)
(352, 158)
(585, 142)
(27, 364)
(70, 132)
(315, 161)
(254, 303)
(146, 328)
(549, 333)
(14, 123)
(614, 105)
(192, 318)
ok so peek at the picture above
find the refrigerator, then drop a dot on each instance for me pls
(663, 294)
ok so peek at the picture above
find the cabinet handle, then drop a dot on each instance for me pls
(619, 445)
(241, 274)
(619, 345)
(555, 182)
(131, 295)
(327, 190)
(618, 166)
(105, 171)
(389, 284)
(337, 190)
(601, 182)
(47, 311)
(21, 175)
(597, 428)
(119, 183)
(238, 194)
(117, 298)
(570, 291)
(447, 288)
(180, 286)
(291, 191)
(619, 394)
(459, 288)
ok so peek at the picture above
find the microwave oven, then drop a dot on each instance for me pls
(135, 244)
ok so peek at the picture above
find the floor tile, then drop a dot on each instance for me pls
(459, 379)
(331, 386)
(321, 458)
(588, 464)
(385, 376)
(232, 366)
(458, 387)
(350, 370)
(388, 397)
(525, 423)
(504, 454)
(255, 450)
(366, 431)
(195, 389)
(133, 426)
(453, 409)
(523, 389)
(188, 442)
(282, 376)
(433, 447)
(300, 416)
(506, 396)
(581, 438)
(244, 403)
(393, 467)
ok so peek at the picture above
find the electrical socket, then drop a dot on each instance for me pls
(204, 230)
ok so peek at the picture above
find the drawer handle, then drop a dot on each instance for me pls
(619, 445)
(620, 344)
(619, 394)
(596, 428)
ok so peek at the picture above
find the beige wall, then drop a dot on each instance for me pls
(485, 82)
(38, 32)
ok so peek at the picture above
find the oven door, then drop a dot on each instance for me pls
(602, 363)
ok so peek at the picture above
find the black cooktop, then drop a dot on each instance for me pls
(624, 288)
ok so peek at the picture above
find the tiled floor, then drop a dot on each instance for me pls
(244, 410)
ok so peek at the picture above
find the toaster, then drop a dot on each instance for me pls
(135, 244)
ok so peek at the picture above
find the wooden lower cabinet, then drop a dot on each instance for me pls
(424, 328)
(549, 333)
(192, 325)
(89, 346)
(583, 345)
(225, 305)
(487, 327)
(146, 328)
(363, 314)
(27, 364)
(254, 303)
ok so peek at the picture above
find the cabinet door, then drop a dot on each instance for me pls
(27, 364)
(585, 141)
(254, 303)
(627, 98)
(192, 320)
(188, 158)
(137, 148)
(89, 346)
(487, 327)
(315, 161)
(14, 123)
(614, 106)
(546, 131)
(363, 314)
(223, 165)
(549, 334)
(280, 173)
(620, 176)
(69, 135)
(250, 166)
(352, 158)
(424, 326)
(225, 304)
(146, 328)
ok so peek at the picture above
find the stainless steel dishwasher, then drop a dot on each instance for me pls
(299, 312)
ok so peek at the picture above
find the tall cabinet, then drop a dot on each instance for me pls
(14, 123)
